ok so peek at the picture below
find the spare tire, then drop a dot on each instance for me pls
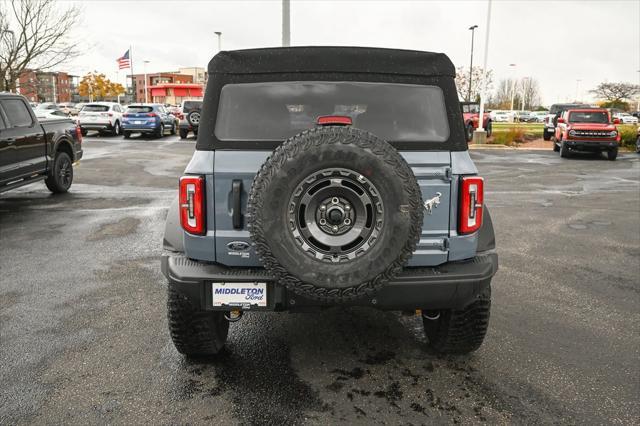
(334, 213)
(193, 118)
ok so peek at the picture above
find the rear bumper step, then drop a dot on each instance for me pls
(451, 285)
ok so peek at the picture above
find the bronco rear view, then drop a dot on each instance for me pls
(330, 176)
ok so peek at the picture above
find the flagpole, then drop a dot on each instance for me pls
(133, 77)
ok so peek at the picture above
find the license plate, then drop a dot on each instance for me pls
(137, 122)
(243, 294)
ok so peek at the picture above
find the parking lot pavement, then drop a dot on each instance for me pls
(84, 339)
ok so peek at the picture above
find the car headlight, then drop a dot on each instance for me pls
(572, 132)
(613, 134)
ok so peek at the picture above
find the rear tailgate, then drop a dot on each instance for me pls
(233, 176)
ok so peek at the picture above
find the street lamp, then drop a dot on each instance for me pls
(219, 34)
(483, 91)
(473, 30)
(146, 93)
(513, 85)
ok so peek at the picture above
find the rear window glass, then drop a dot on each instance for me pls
(471, 108)
(278, 110)
(17, 113)
(589, 117)
(139, 108)
(95, 108)
(191, 105)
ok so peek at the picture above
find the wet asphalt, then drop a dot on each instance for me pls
(83, 329)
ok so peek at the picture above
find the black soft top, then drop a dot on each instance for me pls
(360, 64)
(332, 59)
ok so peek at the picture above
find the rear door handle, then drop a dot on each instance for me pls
(10, 141)
(236, 196)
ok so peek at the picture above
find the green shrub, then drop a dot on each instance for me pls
(628, 135)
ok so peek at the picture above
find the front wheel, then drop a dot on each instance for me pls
(194, 333)
(612, 154)
(469, 132)
(61, 174)
(564, 150)
(458, 331)
(546, 135)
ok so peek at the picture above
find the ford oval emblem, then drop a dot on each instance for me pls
(238, 246)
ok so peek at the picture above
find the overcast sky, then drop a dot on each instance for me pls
(556, 42)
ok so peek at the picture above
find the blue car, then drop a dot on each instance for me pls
(147, 118)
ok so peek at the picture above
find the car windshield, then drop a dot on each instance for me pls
(95, 108)
(278, 110)
(589, 117)
(136, 109)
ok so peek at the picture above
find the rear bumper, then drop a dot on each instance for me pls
(96, 126)
(451, 285)
(139, 129)
(591, 145)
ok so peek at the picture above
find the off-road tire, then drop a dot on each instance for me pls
(546, 135)
(612, 154)
(469, 132)
(193, 118)
(61, 175)
(307, 153)
(184, 133)
(194, 333)
(459, 331)
(564, 150)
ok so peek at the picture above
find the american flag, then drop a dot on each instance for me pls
(124, 62)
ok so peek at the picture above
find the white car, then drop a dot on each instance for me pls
(539, 116)
(49, 114)
(626, 118)
(101, 116)
(502, 117)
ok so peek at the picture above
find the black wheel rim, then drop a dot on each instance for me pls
(64, 172)
(336, 215)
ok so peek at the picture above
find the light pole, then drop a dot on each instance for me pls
(483, 91)
(146, 93)
(513, 85)
(286, 23)
(473, 30)
(577, 86)
(219, 34)
(524, 92)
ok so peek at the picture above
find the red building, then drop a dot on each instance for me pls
(157, 79)
(44, 86)
(174, 93)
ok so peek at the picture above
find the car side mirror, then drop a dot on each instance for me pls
(616, 121)
(560, 120)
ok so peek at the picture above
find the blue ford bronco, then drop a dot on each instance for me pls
(329, 176)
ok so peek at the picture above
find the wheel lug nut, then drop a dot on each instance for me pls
(323, 222)
(335, 200)
(347, 222)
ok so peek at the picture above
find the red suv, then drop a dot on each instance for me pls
(471, 116)
(586, 130)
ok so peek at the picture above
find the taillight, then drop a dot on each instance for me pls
(78, 134)
(470, 209)
(125, 115)
(192, 210)
(152, 114)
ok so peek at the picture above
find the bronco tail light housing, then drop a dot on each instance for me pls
(470, 209)
(191, 203)
(78, 133)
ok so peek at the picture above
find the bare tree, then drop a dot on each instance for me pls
(508, 89)
(616, 92)
(34, 34)
(477, 82)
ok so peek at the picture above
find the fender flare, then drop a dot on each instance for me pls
(486, 236)
(64, 142)
(173, 239)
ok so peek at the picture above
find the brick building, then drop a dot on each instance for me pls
(45, 86)
(155, 79)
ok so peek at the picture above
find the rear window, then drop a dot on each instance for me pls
(95, 108)
(136, 109)
(471, 108)
(275, 111)
(589, 117)
(191, 105)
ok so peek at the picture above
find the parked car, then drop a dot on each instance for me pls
(49, 114)
(148, 118)
(101, 116)
(502, 116)
(69, 108)
(524, 116)
(586, 130)
(626, 118)
(538, 116)
(328, 176)
(190, 118)
(551, 119)
(471, 117)
(46, 106)
(33, 150)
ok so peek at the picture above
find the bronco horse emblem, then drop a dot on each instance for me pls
(432, 202)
